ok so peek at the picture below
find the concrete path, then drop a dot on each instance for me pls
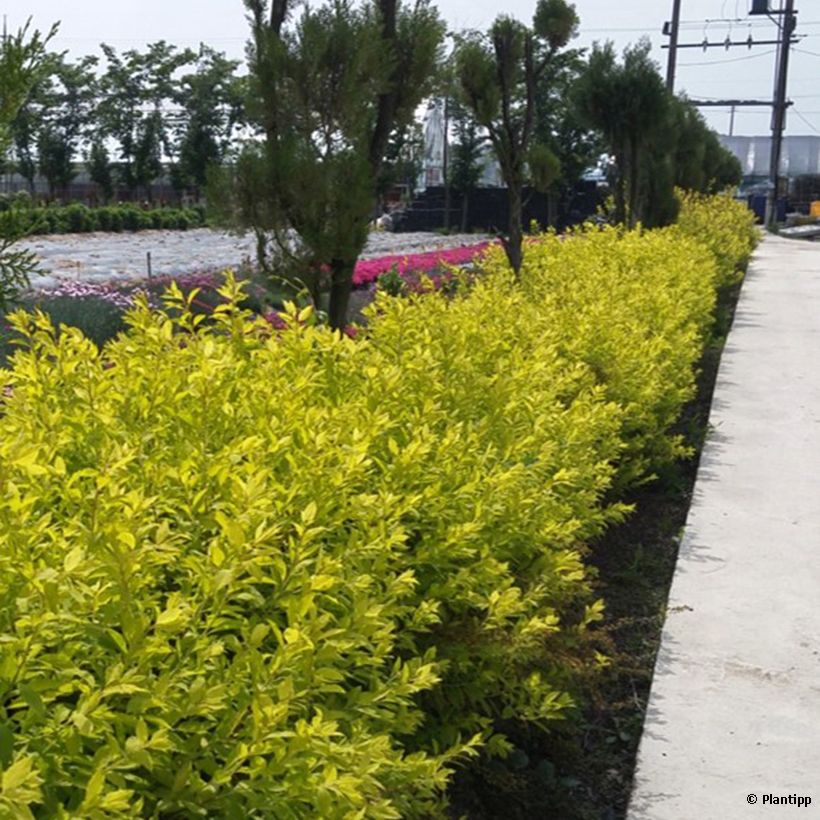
(734, 714)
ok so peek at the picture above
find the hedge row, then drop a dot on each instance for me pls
(726, 227)
(78, 218)
(258, 573)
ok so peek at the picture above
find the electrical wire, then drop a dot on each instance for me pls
(732, 60)
(813, 127)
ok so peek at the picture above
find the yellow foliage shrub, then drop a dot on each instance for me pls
(247, 573)
(635, 309)
(725, 226)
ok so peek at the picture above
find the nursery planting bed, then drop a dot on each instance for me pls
(101, 257)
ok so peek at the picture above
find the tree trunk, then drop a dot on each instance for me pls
(314, 286)
(634, 185)
(261, 250)
(465, 210)
(513, 244)
(340, 288)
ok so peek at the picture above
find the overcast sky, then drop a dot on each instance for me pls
(716, 74)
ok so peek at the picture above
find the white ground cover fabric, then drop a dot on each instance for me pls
(101, 257)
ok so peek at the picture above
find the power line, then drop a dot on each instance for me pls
(793, 96)
(733, 59)
(813, 128)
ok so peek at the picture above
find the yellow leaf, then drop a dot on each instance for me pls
(258, 634)
(217, 555)
(17, 774)
(309, 513)
(94, 788)
(232, 529)
(73, 559)
(172, 618)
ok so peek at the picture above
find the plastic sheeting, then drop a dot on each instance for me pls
(801, 155)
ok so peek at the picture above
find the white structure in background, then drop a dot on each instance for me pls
(801, 155)
(432, 172)
(434, 136)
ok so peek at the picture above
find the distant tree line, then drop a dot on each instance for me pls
(128, 118)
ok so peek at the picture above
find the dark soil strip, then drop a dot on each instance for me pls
(583, 769)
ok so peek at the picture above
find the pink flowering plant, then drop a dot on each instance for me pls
(368, 271)
(98, 308)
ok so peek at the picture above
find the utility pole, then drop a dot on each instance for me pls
(779, 113)
(732, 121)
(674, 29)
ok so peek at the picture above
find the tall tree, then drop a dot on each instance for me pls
(403, 160)
(212, 100)
(23, 60)
(327, 91)
(466, 156)
(99, 168)
(27, 125)
(628, 104)
(137, 90)
(499, 74)
(67, 104)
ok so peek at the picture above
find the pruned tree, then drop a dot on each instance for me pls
(658, 141)
(499, 73)
(628, 104)
(328, 89)
(701, 161)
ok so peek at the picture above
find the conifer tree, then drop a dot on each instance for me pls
(328, 89)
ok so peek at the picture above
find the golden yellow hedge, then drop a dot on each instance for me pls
(725, 226)
(247, 573)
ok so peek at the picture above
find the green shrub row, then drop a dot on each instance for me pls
(79, 218)
(249, 572)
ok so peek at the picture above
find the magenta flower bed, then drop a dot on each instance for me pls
(369, 270)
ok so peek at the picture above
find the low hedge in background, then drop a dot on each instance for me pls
(79, 218)
(249, 572)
